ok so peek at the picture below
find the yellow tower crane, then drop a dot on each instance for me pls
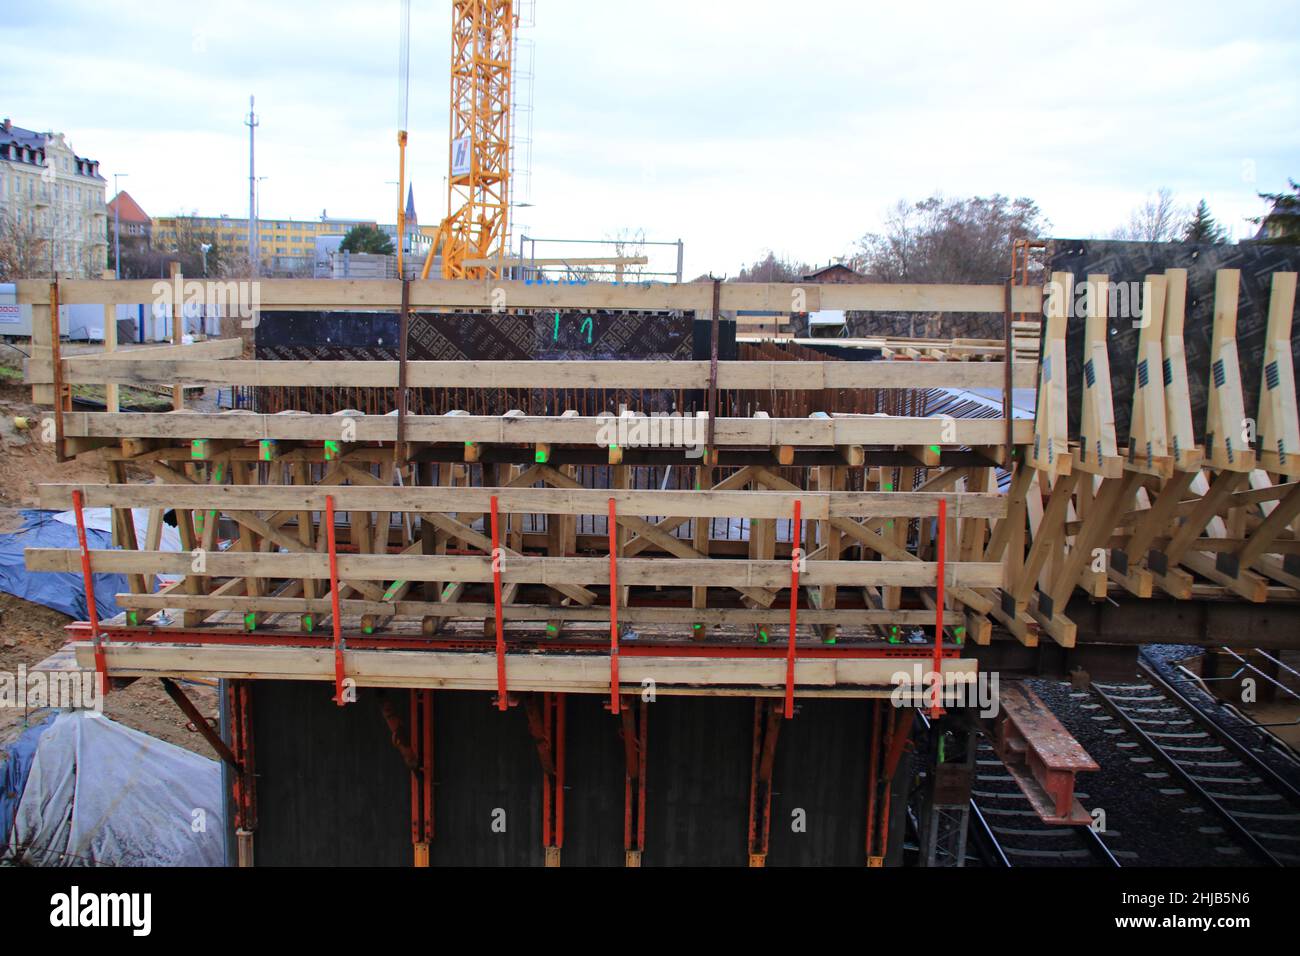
(477, 226)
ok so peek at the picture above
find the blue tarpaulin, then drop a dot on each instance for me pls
(15, 765)
(62, 592)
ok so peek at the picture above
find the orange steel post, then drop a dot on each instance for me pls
(940, 541)
(873, 762)
(88, 576)
(560, 702)
(503, 702)
(613, 608)
(796, 555)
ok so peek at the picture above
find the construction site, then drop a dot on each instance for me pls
(477, 566)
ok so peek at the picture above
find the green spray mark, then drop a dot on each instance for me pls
(250, 621)
(308, 624)
(447, 591)
(368, 629)
(556, 337)
(331, 450)
(133, 618)
(389, 594)
(587, 325)
(552, 629)
(199, 449)
(762, 636)
(267, 448)
(540, 456)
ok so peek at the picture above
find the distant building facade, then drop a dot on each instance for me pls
(55, 197)
(280, 241)
(125, 214)
(836, 272)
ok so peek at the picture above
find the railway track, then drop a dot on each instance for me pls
(1258, 809)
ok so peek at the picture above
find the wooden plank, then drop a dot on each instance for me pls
(325, 294)
(816, 505)
(179, 367)
(475, 671)
(800, 432)
(537, 613)
(521, 570)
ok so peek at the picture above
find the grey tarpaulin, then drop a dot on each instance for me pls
(101, 794)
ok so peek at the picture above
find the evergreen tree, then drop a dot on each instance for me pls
(367, 239)
(1282, 224)
(1203, 227)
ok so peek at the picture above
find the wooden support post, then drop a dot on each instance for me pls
(110, 345)
(178, 326)
(1047, 539)
(1178, 400)
(700, 541)
(1279, 426)
(1147, 443)
(1051, 448)
(1098, 451)
(1227, 433)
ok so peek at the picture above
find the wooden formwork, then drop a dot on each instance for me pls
(519, 551)
(1210, 521)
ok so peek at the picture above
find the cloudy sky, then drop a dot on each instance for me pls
(736, 126)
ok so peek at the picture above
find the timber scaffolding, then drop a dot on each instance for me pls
(1165, 516)
(820, 536)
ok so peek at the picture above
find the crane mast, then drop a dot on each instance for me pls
(477, 226)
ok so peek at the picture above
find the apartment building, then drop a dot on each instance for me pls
(53, 198)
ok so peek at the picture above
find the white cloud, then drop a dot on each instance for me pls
(737, 126)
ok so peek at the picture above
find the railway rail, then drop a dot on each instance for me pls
(1259, 810)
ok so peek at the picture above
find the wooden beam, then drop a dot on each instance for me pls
(493, 429)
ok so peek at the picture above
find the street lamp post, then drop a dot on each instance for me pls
(117, 226)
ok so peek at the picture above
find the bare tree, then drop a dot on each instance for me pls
(949, 240)
(629, 243)
(772, 269)
(1158, 219)
(944, 240)
(24, 252)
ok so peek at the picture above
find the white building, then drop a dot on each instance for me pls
(52, 196)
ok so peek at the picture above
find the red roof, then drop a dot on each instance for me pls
(130, 211)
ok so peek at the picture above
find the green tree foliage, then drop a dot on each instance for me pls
(1203, 227)
(1282, 223)
(772, 269)
(367, 240)
(949, 240)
